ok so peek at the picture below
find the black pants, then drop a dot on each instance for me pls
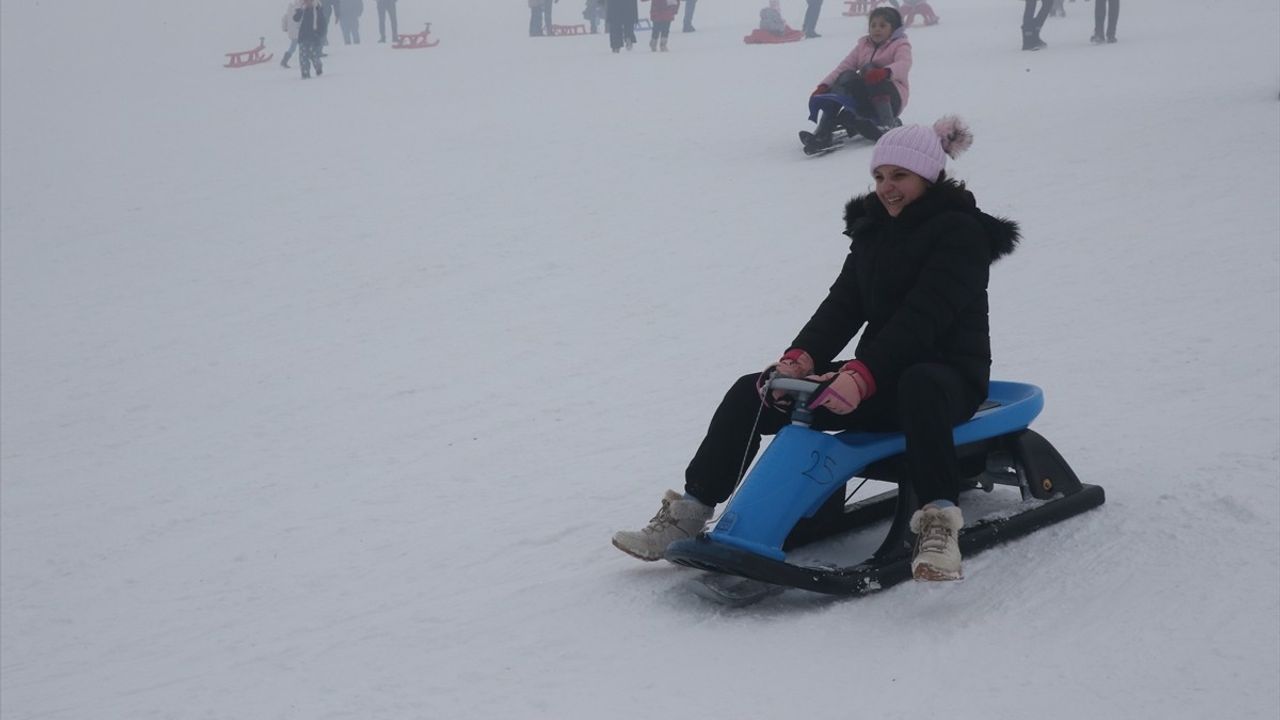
(927, 403)
(1031, 21)
(661, 30)
(861, 94)
(1110, 10)
(309, 56)
(620, 33)
(689, 7)
(386, 10)
(811, 16)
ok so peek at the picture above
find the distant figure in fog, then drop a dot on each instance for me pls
(911, 8)
(661, 14)
(689, 6)
(332, 11)
(313, 24)
(811, 18)
(771, 20)
(387, 8)
(1108, 10)
(1032, 22)
(593, 13)
(289, 26)
(349, 20)
(621, 17)
(540, 17)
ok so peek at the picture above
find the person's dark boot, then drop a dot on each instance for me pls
(884, 113)
(814, 143)
(827, 124)
(1031, 40)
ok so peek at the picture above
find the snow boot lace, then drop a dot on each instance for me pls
(678, 518)
(937, 551)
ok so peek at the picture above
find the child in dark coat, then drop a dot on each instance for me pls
(313, 25)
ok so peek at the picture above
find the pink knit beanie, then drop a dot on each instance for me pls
(923, 150)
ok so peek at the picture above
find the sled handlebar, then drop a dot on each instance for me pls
(799, 389)
(797, 386)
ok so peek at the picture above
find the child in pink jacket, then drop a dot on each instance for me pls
(868, 90)
(661, 14)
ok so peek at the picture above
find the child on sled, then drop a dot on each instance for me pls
(771, 19)
(867, 91)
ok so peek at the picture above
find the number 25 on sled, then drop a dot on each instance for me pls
(795, 495)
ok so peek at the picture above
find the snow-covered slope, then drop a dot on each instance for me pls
(322, 399)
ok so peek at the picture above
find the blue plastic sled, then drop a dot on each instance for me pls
(795, 495)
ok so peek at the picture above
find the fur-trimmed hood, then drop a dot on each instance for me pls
(864, 213)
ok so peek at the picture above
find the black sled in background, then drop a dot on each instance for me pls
(846, 125)
(839, 139)
(795, 496)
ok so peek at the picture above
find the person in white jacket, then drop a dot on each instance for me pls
(290, 26)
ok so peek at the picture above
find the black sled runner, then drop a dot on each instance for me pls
(794, 496)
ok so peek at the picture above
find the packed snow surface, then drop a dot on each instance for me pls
(322, 399)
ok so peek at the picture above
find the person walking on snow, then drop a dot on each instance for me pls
(1032, 22)
(593, 13)
(313, 24)
(811, 19)
(620, 18)
(349, 21)
(689, 7)
(1108, 10)
(867, 91)
(915, 284)
(661, 14)
(333, 11)
(387, 9)
(290, 26)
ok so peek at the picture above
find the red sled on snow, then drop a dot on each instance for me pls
(557, 30)
(859, 8)
(248, 57)
(764, 37)
(415, 41)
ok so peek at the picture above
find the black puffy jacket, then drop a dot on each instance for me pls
(918, 283)
(313, 23)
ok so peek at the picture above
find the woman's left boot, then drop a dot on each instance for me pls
(679, 518)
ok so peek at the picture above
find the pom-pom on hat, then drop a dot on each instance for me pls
(923, 150)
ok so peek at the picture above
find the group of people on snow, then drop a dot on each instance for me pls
(307, 24)
(619, 18)
(1106, 13)
(914, 283)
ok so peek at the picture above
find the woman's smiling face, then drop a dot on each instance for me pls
(898, 187)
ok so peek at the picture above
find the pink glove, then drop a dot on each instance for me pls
(840, 392)
(794, 363)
